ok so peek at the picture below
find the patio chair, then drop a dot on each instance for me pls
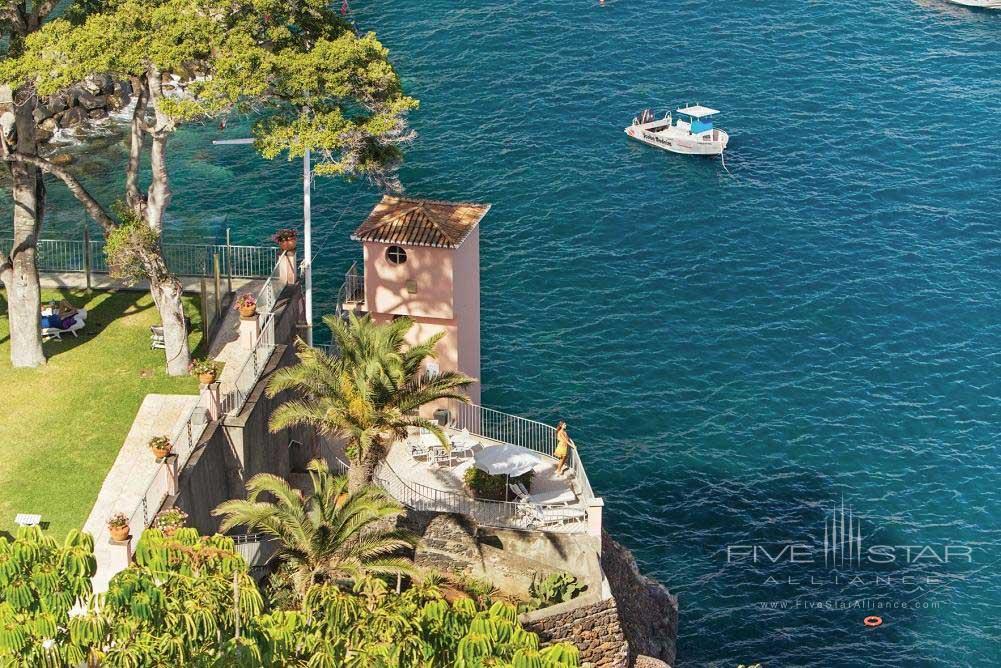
(418, 450)
(156, 340)
(519, 491)
(440, 455)
(538, 515)
(79, 322)
(463, 445)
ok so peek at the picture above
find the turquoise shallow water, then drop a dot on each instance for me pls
(734, 354)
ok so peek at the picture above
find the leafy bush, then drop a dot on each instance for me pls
(170, 520)
(159, 442)
(554, 588)
(129, 247)
(206, 365)
(486, 486)
(189, 600)
(285, 234)
(118, 520)
(246, 299)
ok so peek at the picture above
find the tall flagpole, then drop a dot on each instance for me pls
(307, 233)
(308, 244)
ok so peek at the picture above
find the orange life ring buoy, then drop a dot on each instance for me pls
(872, 620)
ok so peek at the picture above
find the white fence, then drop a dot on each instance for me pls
(158, 487)
(504, 514)
(253, 366)
(80, 256)
(187, 436)
(505, 428)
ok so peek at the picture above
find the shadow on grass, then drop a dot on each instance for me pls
(109, 309)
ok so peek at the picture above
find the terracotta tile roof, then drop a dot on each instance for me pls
(420, 222)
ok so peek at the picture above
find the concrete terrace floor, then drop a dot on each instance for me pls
(448, 477)
(62, 426)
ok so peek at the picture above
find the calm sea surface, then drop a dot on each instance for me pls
(734, 354)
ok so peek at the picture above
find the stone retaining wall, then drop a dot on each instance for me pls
(590, 622)
(647, 610)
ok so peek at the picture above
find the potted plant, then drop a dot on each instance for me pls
(170, 521)
(206, 370)
(118, 525)
(246, 304)
(285, 238)
(161, 446)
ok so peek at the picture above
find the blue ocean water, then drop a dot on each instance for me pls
(735, 354)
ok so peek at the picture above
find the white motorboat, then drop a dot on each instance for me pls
(984, 4)
(691, 134)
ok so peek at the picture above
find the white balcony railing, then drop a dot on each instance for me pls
(505, 428)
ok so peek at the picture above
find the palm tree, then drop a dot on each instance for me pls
(370, 391)
(327, 536)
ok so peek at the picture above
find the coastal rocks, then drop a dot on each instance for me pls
(649, 662)
(72, 117)
(91, 101)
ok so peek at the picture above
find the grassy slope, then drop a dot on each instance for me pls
(61, 426)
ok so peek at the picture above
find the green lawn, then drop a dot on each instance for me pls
(62, 425)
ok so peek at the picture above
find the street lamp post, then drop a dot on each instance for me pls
(307, 234)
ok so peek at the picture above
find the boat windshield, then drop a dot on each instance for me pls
(699, 125)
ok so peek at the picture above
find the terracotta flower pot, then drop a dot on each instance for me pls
(207, 378)
(160, 453)
(248, 312)
(287, 245)
(119, 533)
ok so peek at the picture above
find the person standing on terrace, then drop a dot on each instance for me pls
(563, 445)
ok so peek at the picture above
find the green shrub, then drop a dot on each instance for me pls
(554, 588)
(486, 486)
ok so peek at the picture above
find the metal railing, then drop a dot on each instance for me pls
(190, 431)
(506, 428)
(352, 290)
(505, 514)
(71, 256)
(62, 255)
(268, 296)
(252, 368)
(158, 486)
(354, 284)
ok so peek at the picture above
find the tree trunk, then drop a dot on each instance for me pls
(166, 291)
(158, 195)
(19, 270)
(137, 127)
(362, 473)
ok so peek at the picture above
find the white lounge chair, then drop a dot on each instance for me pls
(541, 516)
(27, 520)
(79, 322)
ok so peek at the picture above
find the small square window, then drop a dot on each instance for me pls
(412, 287)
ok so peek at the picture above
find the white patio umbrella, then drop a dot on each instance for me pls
(507, 460)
